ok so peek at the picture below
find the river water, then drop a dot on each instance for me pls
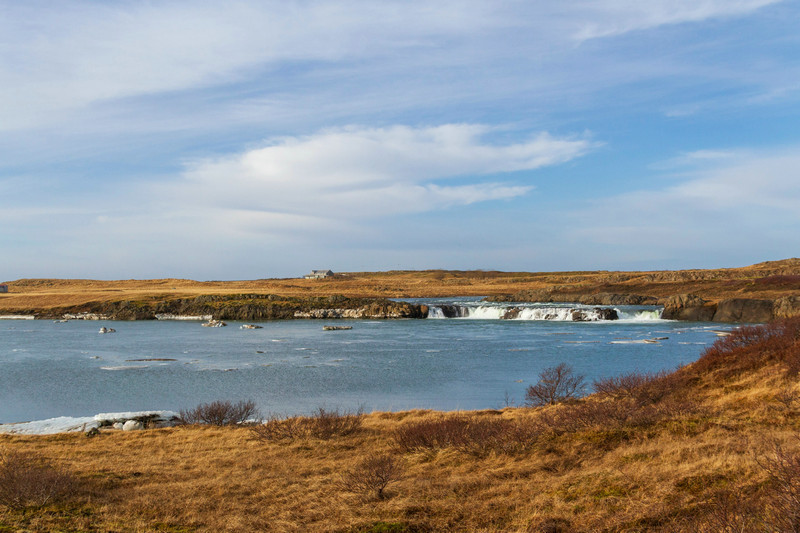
(477, 361)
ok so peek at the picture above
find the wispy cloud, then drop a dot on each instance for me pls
(358, 172)
(616, 17)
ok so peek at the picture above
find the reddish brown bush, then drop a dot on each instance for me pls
(220, 413)
(468, 433)
(640, 387)
(323, 424)
(556, 384)
(782, 465)
(751, 347)
(29, 480)
(373, 475)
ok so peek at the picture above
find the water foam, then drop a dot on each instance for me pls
(532, 313)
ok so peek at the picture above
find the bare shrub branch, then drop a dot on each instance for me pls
(324, 424)
(782, 465)
(372, 475)
(641, 387)
(27, 479)
(220, 413)
(470, 434)
(556, 384)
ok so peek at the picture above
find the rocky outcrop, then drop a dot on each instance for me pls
(379, 309)
(601, 298)
(610, 298)
(244, 307)
(746, 310)
(786, 307)
(688, 307)
(734, 310)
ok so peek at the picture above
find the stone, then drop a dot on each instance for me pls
(118, 425)
(132, 425)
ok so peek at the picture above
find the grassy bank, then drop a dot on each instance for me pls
(768, 280)
(714, 446)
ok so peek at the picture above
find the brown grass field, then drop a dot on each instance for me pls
(764, 280)
(713, 446)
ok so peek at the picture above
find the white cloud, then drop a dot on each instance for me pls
(616, 17)
(57, 61)
(355, 172)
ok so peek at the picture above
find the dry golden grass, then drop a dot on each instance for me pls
(705, 461)
(764, 280)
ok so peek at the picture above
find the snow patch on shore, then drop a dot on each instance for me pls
(67, 424)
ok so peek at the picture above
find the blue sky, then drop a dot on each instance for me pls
(244, 140)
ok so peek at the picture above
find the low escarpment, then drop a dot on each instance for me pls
(240, 307)
(749, 310)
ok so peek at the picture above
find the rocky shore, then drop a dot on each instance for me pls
(246, 307)
(689, 307)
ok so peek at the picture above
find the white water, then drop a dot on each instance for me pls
(538, 311)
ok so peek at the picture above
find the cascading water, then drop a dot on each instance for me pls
(576, 313)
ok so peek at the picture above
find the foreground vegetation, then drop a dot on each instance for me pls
(713, 446)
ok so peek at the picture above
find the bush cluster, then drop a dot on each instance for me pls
(220, 413)
(752, 347)
(323, 424)
(28, 480)
(473, 434)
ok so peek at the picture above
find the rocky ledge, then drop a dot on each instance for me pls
(245, 307)
(748, 310)
(549, 296)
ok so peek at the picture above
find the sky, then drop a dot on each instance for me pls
(262, 139)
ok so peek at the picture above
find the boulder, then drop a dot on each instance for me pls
(744, 310)
(606, 313)
(511, 314)
(132, 425)
(118, 425)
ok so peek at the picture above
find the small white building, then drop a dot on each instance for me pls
(3, 287)
(319, 274)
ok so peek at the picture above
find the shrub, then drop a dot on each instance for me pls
(640, 387)
(220, 413)
(323, 424)
(782, 465)
(470, 434)
(372, 475)
(27, 479)
(555, 385)
(326, 424)
(751, 347)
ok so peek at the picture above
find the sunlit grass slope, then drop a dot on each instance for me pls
(764, 280)
(713, 446)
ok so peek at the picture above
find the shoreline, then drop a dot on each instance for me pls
(753, 294)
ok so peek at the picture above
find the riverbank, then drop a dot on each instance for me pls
(709, 447)
(755, 293)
